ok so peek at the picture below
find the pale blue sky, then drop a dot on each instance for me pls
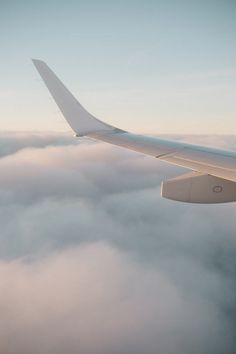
(146, 66)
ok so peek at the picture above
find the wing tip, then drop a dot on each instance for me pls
(38, 62)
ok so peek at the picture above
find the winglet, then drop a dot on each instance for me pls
(81, 121)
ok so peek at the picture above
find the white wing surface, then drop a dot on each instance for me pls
(216, 169)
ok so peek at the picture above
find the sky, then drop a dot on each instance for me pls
(164, 67)
(94, 261)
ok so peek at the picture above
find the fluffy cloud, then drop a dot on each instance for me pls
(93, 299)
(11, 142)
(93, 261)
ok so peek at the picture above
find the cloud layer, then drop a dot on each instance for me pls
(93, 261)
(93, 299)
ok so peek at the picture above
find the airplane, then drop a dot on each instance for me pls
(212, 178)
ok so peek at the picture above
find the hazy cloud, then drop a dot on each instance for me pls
(94, 261)
(95, 300)
(11, 142)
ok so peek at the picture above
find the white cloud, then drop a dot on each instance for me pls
(94, 299)
(145, 274)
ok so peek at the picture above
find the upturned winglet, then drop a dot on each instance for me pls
(81, 121)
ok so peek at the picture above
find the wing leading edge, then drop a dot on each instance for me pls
(220, 164)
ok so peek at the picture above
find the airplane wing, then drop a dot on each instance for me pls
(213, 176)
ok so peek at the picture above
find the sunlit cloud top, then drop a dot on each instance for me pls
(93, 261)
